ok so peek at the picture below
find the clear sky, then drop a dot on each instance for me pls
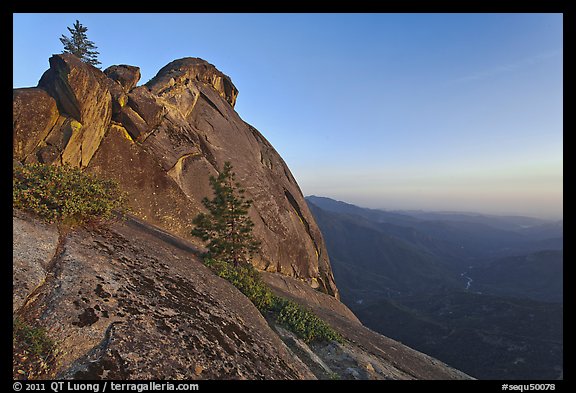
(393, 111)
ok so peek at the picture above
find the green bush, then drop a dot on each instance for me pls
(247, 280)
(304, 323)
(64, 193)
(287, 313)
(33, 352)
(34, 339)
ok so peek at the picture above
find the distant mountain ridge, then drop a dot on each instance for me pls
(374, 252)
(468, 238)
(446, 247)
(498, 221)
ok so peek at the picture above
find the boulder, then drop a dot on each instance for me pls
(126, 75)
(134, 124)
(81, 92)
(122, 79)
(34, 113)
(144, 103)
(119, 97)
(183, 71)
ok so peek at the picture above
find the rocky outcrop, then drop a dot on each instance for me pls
(126, 75)
(122, 304)
(142, 115)
(34, 113)
(131, 301)
(162, 141)
(122, 79)
(81, 93)
(182, 72)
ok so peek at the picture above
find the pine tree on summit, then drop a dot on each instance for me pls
(79, 45)
(227, 227)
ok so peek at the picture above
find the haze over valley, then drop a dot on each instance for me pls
(453, 284)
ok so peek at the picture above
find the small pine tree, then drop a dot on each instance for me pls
(227, 227)
(79, 45)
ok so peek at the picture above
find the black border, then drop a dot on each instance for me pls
(316, 6)
(358, 6)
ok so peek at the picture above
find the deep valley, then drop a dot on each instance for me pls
(482, 293)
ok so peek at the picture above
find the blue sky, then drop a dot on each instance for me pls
(457, 112)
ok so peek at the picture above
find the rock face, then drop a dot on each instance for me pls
(183, 71)
(80, 92)
(34, 114)
(122, 304)
(131, 301)
(126, 75)
(31, 260)
(162, 141)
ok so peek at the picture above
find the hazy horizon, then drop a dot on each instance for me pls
(458, 112)
(404, 207)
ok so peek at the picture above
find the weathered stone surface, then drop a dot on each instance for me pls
(134, 124)
(141, 114)
(34, 113)
(144, 103)
(72, 153)
(126, 75)
(184, 71)
(119, 98)
(48, 155)
(153, 196)
(34, 246)
(61, 132)
(80, 91)
(185, 168)
(123, 304)
(199, 123)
